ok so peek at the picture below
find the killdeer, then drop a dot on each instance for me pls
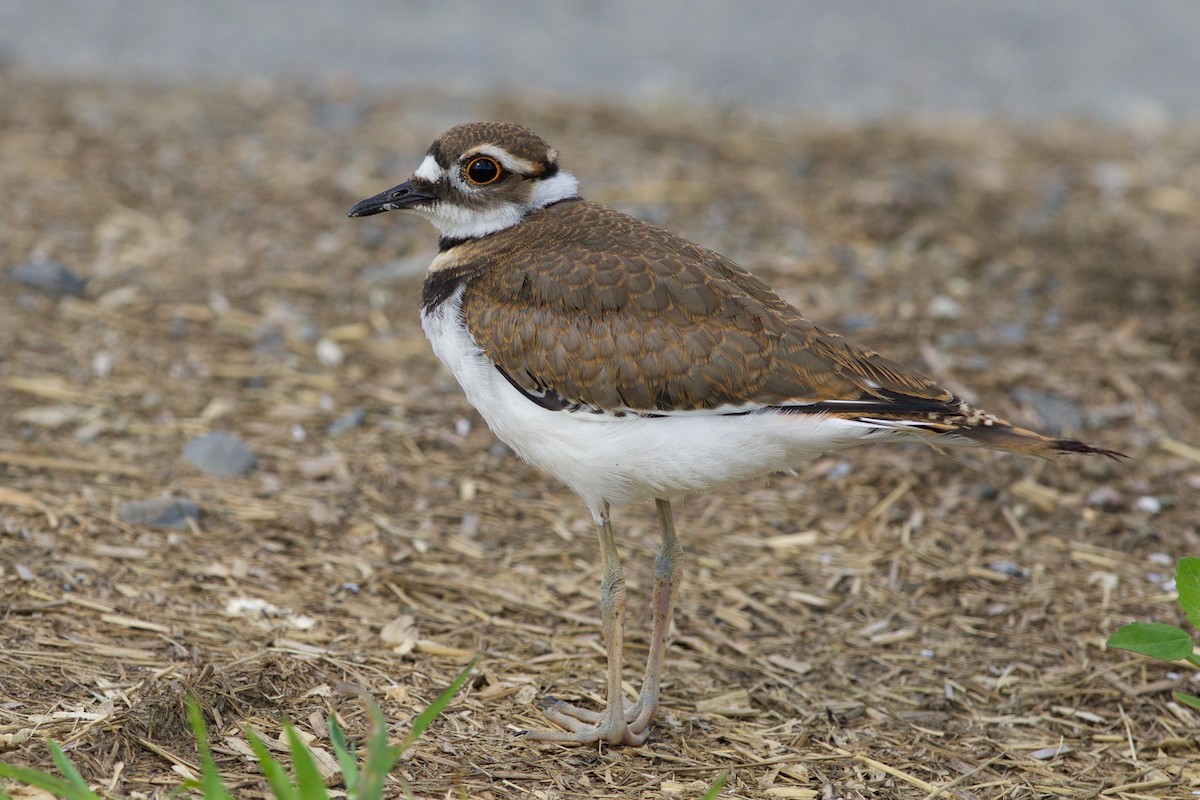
(634, 365)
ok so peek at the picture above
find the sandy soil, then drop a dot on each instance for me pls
(886, 623)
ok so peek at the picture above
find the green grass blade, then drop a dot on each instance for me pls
(1187, 583)
(426, 717)
(67, 768)
(274, 772)
(717, 786)
(211, 786)
(1154, 639)
(1188, 700)
(309, 782)
(344, 753)
(46, 781)
(380, 757)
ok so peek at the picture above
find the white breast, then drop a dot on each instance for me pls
(619, 460)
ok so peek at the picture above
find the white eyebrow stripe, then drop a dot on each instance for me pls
(429, 170)
(510, 162)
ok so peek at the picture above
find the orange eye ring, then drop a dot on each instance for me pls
(482, 171)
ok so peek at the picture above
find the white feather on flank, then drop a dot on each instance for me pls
(607, 459)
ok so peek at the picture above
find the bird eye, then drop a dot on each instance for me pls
(482, 171)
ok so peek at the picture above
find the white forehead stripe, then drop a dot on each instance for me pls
(429, 170)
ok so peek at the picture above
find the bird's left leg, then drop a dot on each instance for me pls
(584, 726)
(667, 577)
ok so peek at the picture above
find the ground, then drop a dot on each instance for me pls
(884, 623)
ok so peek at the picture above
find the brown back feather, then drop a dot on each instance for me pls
(617, 314)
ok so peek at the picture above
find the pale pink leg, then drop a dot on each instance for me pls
(588, 727)
(617, 724)
(667, 576)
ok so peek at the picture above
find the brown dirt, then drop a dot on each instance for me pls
(888, 622)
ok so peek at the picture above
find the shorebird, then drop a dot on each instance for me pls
(634, 365)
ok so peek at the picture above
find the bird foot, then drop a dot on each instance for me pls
(584, 726)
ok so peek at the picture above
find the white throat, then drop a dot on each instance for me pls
(458, 222)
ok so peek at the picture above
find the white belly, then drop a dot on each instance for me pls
(619, 460)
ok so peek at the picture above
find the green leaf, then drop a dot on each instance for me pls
(1187, 583)
(380, 757)
(426, 717)
(272, 769)
(46, 781)
(72, 788)
(67, 768)
(308, 777)
(211, 786)
(1188, 700)
(1154, 639)
(344, 752)
(717, 786)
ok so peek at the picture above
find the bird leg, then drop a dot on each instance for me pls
(667, 576)
(584, 726)
(618, 724)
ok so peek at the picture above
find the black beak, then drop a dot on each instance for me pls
(406, 195)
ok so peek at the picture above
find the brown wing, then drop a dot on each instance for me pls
(603, 310)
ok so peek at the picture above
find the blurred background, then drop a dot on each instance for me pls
(1111, 59)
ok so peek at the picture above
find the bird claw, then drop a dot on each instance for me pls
(584, 726)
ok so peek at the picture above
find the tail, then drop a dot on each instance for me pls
(953, 421)
(1000, 435)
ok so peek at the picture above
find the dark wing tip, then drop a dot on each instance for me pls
(1076, 446)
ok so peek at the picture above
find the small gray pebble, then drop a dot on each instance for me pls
(221, 454)
(159, 512)
(1009, 568)
(1010, 333)
(943, 306)
(52, 277)
(839, 470)
(346, 422)
(1149, 504)
(1106, 498)
(857, 322)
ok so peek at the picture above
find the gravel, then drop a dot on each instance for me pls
(220, 454)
